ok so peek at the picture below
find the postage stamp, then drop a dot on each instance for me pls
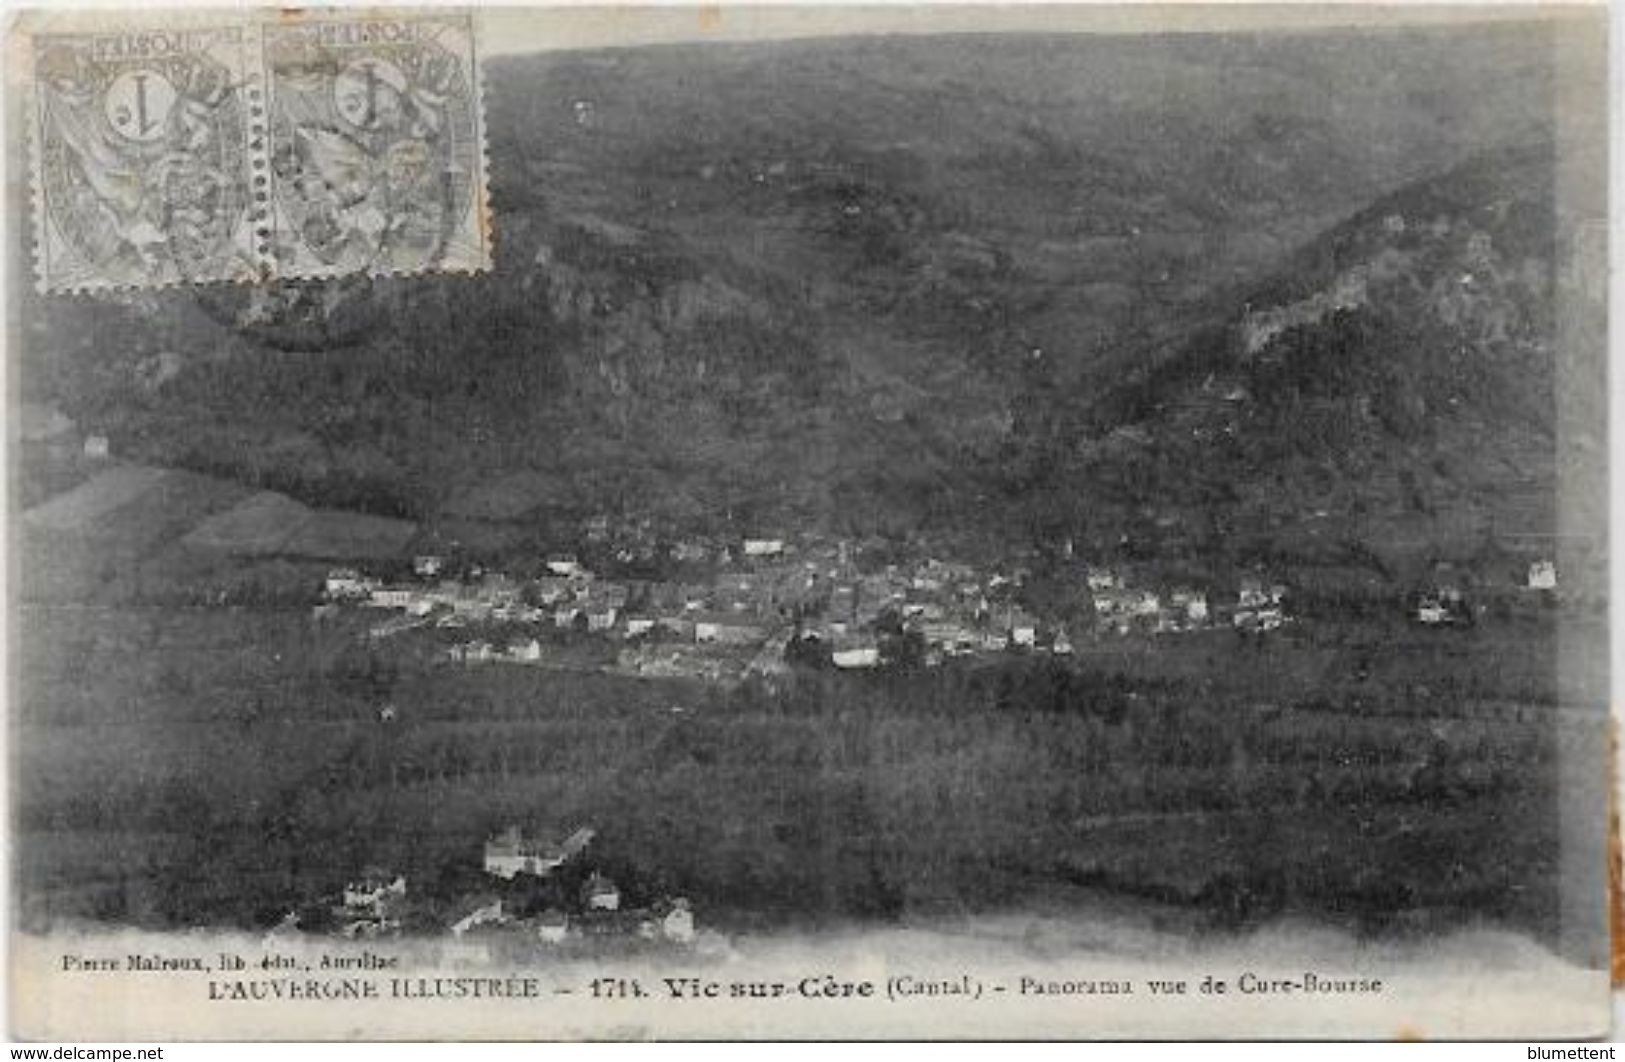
(377, 157)
(144, 143)
(273, 147)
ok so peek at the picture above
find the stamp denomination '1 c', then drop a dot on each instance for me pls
(276, 147)
(378, 160)
(143, 158)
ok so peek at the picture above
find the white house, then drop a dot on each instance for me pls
(1252, 594)
(390, 597)
(566, 565)
(526, 652)
(678, 925)
(510, 853)
(373, 893)
(344, 583)
(97, 448)
(601, 894)
(1542, 575)
(552, 926)
(763, 547)
(427, 565)
(859, 657)
(639, 625)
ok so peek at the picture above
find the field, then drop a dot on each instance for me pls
(218, 766)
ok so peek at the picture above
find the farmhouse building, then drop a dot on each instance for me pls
(373, 894)
(510, 853)
(552, 926)
(866, 656)
(726, 628)
(601, 894)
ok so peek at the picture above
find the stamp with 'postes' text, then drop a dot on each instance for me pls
(377, 151)
(144, 156)
(279, 149)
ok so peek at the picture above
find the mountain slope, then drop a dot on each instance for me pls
(862, 285)
(1400, 382)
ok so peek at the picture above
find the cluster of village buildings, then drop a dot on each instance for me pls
(760, 595)
(756, 601)
(523, 902)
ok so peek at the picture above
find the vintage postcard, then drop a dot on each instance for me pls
(910, 521)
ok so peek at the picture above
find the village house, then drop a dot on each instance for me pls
(1251, 593)
(951, 637)
(475, 652)
(374, 894)
(483, 910)
(764, 547)
(1022, 628)
(343, 584)
(861, 656)
(565, 564)
(97, 448)
(1442, 605)
(1430, 611)
(510, 853)
(552, 926)
(427, 565)
(678, 925)
(525, 652)
(1542, 576)
(600, 894)
(551, 589)
(390, 597)
(637, 626)
(726, 628)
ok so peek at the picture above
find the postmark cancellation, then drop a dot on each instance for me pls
(256, 150)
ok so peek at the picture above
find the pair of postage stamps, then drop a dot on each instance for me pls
(257, 147)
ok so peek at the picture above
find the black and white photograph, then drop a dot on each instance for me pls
(808, 522)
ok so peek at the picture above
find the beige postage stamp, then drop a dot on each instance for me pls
(251, 149)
